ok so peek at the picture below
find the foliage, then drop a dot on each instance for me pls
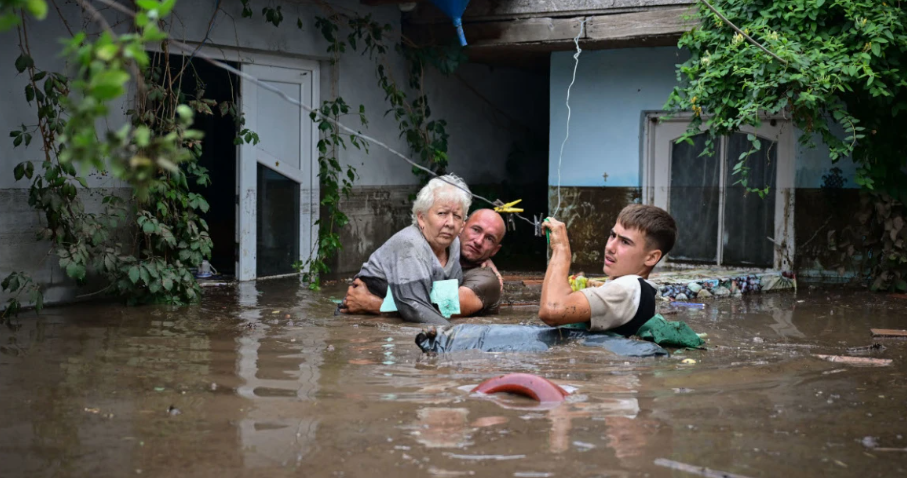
(840, 69)
(844, 61)
(426, 138)
(142, 249)
(336, 183)
(9, 11)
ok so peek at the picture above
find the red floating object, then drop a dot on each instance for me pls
(526, 384)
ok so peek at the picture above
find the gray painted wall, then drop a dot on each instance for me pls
(486, 110)
(612, 89)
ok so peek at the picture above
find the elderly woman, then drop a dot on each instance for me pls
(425, 252)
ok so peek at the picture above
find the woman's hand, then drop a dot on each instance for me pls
(359, 300)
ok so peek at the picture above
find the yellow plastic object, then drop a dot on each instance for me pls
(578, 282)
(688, 360)
(509, 207)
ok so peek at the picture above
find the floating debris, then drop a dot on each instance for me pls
(855, 360)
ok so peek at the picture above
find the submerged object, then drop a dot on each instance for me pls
(527, 338)
(527, 384)
(454, 9)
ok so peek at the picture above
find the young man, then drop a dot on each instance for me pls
(480, 292)
(639, 239)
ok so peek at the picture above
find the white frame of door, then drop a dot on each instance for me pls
(247, 177)
(655, 178)
(246, 263)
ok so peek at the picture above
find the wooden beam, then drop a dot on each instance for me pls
(486, 10)
(558, 33)
(654, 22)
(378, 3)
(888, 333)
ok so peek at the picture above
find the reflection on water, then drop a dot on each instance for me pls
(272, 430)
(268, 382)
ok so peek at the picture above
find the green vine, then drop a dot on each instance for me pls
(835, 64)
(144, 247)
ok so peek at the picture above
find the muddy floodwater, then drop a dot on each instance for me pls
(262, 380)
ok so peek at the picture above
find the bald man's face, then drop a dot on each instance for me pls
(481, 237)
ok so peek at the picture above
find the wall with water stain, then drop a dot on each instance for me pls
(589, 214)
(490, 114)
(600, 170)
(818, 212)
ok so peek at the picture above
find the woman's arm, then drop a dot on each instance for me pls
(410, 281)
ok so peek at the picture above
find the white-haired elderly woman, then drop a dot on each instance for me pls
(425, 252)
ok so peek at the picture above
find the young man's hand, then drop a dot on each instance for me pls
(359, 300)
(558, 236)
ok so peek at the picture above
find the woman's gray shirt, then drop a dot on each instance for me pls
(408, 266)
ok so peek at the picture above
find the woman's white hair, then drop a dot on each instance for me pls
(442, 189)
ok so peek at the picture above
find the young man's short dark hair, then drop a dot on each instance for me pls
(658, 226)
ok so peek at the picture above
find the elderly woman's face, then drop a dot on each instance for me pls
(442, 223)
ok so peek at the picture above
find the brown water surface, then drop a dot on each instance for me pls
(263, 380)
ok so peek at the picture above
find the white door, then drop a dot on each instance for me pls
(278, 178)
(718, 222)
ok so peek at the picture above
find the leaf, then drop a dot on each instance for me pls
(19, 170)
(134, 274)
(75, 271)
(24, 61)
(108, 84)
(167, 283)
(38, 8)
(29, 93)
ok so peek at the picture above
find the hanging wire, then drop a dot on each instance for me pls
(560, 157)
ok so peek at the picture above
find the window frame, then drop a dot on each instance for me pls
(655, 177)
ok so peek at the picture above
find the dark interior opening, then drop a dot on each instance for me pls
(219, 153)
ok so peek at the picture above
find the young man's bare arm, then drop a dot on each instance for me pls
(560, 305)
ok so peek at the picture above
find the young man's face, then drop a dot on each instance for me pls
(626, 253)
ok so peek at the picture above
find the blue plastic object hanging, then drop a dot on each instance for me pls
(454, 9)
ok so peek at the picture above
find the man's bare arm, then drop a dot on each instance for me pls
(469, 302)
(560, 305)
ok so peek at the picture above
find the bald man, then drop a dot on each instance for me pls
(482, 285)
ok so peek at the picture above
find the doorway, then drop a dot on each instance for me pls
(218, 152)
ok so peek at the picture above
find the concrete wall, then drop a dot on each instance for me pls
(487, 111)
(602, 157)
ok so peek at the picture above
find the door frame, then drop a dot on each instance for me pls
(247, 177)
(284, 60)
(654, 177)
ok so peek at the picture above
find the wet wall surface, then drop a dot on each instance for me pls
(263, 380)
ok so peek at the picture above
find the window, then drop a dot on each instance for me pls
(718, 221)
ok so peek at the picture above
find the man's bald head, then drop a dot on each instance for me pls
(482, 235)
